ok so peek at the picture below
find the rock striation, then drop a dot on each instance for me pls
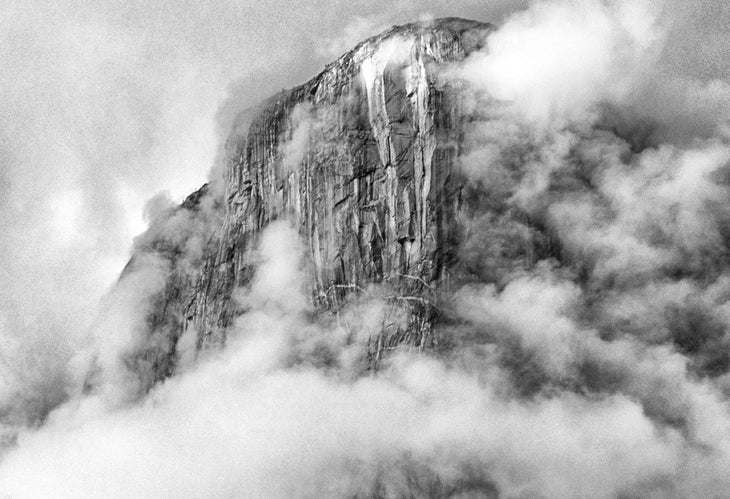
(361, 159)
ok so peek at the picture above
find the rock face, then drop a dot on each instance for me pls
(361, 159)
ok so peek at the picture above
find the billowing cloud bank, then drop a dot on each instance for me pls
(588, 350)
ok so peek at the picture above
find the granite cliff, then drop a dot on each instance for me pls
(458, 262)
(361, 159)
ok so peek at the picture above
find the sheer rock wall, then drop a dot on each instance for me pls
(361, 159)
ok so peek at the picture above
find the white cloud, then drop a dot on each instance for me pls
(563, 381)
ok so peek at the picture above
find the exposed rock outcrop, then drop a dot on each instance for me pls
(361, 159)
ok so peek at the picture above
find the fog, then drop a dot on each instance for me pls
(602, 375)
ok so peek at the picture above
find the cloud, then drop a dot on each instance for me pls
(265, 417)
(584, 351)
(249, 421)
(579, 53)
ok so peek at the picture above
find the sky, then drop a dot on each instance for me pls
(103, 106)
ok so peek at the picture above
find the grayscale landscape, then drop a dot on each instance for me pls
(365, 249)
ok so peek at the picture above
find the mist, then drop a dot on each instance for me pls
(598, 368)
